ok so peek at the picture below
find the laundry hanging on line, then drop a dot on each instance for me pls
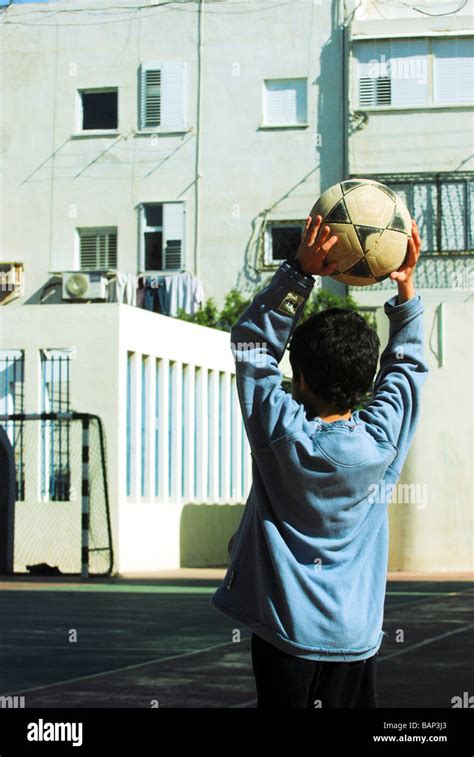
(124, 288)
(165, 294)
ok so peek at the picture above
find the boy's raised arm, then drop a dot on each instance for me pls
(394, 409)
(258, 341)
(261, 334)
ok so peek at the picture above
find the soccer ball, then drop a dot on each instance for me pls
(372, 224)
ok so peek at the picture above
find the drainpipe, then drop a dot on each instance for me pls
(345, 98)
(198, 173)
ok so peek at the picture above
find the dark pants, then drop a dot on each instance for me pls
(286, 681)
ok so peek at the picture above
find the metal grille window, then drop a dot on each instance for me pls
(442, 206)
(281, 240)
(12, 402)
(98, 249)
(55, 435)
(414, 72)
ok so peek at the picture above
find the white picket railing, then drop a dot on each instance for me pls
(185, 435)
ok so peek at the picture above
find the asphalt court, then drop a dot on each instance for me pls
(157, 642)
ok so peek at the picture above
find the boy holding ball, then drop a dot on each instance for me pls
(308, 563)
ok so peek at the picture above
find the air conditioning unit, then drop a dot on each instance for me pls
(83, 285)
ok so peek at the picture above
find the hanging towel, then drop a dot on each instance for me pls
(184, 291)
(120, 284)
(131, 285)
(125, 290)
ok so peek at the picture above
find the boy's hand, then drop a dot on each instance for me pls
(404, 275)
(407, 268)
(314, 247)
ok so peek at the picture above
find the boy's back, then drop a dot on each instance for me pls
(309, 560)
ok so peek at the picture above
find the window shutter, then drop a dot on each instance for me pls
(162, 99)
(453, 71)
(365, 53)
(150, 97)
(375, 91)
(367, 96)
(285, 101)
(173, 235)
(371, 92)
(111, 260)
(392, 72)
(409, 71)
(88, 251)
(173, 89)
(98, 250)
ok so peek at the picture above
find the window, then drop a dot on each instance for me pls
(98, 249)
(282, 239)
(162, 231)
(98, 109)
(284, 102)
(441, 205)
(453, 78)
(12, 394)
(414, 72)
(55, 434)
(162, 101)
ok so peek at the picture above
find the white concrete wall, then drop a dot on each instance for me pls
(430, 530)
(146, 530)
(432, 509)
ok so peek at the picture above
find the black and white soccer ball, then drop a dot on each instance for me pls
(372, 224)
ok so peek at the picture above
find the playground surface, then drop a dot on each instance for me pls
(132, 641)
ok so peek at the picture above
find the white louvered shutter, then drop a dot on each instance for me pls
(409, 72)
(98, 250)
(373, 84)
(392, 72)
(162, 99)
(150, 97)
(453, 76)
(174, 95)
(285, 101)
(173, 235)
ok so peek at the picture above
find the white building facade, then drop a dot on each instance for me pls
(411, 126)
(191, 140)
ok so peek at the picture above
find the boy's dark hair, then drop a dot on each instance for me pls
(338, 353)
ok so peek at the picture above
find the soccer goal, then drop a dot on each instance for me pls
(59, 522)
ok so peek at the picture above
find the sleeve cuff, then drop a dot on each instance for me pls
(292, 275)
(401, 311)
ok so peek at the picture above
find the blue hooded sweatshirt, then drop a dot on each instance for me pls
(308, 562)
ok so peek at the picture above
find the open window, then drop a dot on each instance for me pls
(98, 109)
(161, 236)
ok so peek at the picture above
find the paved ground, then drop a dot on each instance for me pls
(155, 637)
